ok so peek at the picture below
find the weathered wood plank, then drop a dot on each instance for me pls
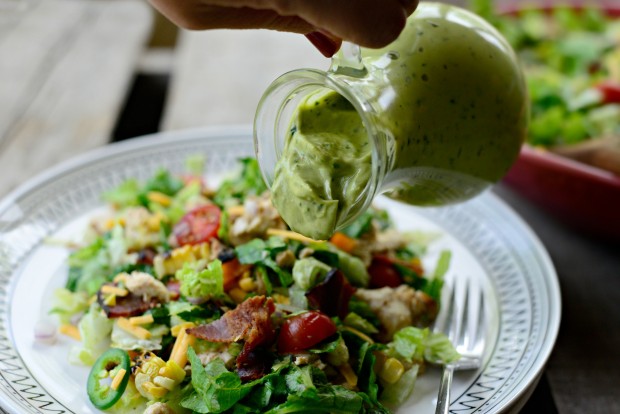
(219, 76)
(65, 69)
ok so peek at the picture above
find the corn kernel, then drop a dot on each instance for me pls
(391, 371)
(247, 284)
(154, 390)
(152, 366)
(168, 265)
(159, 198)
(284, 300)
(109, 224)
(237, 294)
(153, 223)
(165, 382)
(173, 371)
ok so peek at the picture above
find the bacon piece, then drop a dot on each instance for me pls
(332, 295)
(126, 306)
(250, 322)
(146, 256)
(174, 288)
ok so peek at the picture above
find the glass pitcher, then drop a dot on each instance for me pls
(444, 109)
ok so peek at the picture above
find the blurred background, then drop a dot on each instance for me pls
(76, 75)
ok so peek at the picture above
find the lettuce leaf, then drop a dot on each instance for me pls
(67, 304)
(201, 283)
(352, 267)
(95, 329)
(413, 343)
(248, 182)
(307, 272)
(263, 252)
(397, 393)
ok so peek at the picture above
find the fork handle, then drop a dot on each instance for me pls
(443, 397)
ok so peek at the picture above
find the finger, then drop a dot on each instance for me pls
(327, 45)
(409, 5)
(369, 23)
(282, 5)
(197, 15)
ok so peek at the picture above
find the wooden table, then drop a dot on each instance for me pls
(66, 68)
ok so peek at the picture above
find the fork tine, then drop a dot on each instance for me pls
(481, 321)
(465, 327)
(459, 314)
(470, 336)
(442, 323)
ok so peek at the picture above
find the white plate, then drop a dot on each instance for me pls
(487, 239)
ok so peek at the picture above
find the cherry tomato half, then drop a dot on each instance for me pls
(198, 225)
(303, 331)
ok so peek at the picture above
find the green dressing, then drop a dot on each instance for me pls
(325, 166)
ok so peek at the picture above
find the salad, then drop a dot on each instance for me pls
(190, 299)
(571, 59)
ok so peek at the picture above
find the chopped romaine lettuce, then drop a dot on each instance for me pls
(308, 272)
(352, 266)
(95, 329)
(397, 393)
(68, 304)
(200, 282)
(411, 344)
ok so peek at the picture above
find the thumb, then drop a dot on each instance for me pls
(368, 23)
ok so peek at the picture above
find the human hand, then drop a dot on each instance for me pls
(368, 23)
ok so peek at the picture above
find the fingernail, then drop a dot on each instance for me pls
(407, 4)
(325, 44)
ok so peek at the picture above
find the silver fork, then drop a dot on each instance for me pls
(462, 319)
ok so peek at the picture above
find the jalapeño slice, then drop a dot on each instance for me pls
(99, 385)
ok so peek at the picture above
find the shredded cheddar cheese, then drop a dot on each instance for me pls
(136, 331)
(116, 381)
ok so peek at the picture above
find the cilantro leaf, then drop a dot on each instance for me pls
(264, 252)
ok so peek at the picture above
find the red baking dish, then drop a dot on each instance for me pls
(585, 197)
(582, 196)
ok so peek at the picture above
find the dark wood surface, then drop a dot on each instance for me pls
(583, 372)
